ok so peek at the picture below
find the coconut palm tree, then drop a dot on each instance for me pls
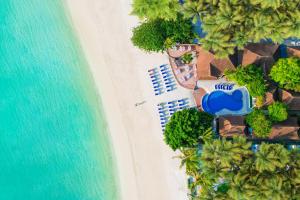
(190, 159)
(236, 190)
(271, 156)
(273, 187)
(155, 9)
(267, 3)
(192, 10)
(255, 19)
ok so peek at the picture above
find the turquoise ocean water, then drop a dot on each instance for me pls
(53, 139)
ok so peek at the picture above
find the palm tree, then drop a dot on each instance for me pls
(207, 136)
(271, 156)
(217, 42)
(225, 22)
(154, 9)
(192, 10)
(236, 190)
(190, 159)
(292, 175)
(267, 3)
(274, 188)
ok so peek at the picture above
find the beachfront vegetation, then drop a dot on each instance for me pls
(187, 127)
(278, 112)
(286, 72)
(149, 36)
(231, 24)
(191, 10)
(250, 76)
(190, 159)
(155, 9)
(159, 34)
(259, 122)
(231, 171)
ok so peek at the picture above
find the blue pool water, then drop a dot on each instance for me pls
(218, 100)
(54, 143)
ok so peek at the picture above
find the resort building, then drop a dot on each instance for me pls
(290, 98)
(287, 129)
(229, 126)
(203, 69)
(203, 73)
(204, 65)
(293, 51)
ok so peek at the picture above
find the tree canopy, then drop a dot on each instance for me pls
(278, 112)
(158, 35)
(187, 127)
(259, 122)
(234, 23)
(155, 9)
(286, 72)
(271, 172)
(250, 76)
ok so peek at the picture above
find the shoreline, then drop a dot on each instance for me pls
(146, 169)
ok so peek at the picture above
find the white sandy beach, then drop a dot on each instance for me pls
(146, 168)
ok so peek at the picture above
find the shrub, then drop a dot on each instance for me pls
(250, 76)
(158, 35)
(286, 72)
(186, 127)
(149, 36)
(278, 112)
(179, 30)
(260, 123)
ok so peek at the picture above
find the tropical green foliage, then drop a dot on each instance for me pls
(286, 72)
(158, 35)
(250, 76)
(235, 23)
(271, 157)
(260, 123)
(187, 58)
(187, 127)
(155, 9)
(190, 159)
(224, 155)
(191, 10)
(270, 173)
(149, 36)
(278, 112)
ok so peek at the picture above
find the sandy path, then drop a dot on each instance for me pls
(146, 168)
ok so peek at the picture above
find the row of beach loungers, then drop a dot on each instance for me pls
(224, 86)
(162, 79)
(167, 109)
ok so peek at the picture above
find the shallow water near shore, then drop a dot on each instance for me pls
(54, 142)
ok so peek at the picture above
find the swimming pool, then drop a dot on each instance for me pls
(221, 102)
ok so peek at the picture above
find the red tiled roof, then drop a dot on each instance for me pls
(208, 67)
(291, 99)
(231, 125)
(287, 129)
(293, 51)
